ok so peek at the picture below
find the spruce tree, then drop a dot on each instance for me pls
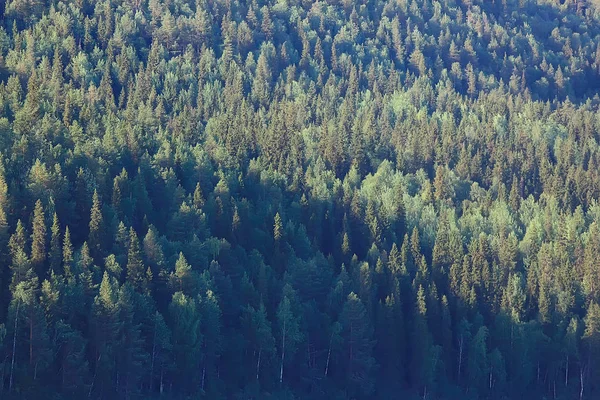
(212, 340)
(21, 263)
(185, 322)
(55, 256)
(277, 229)
(67, 254)
(96, 227)
(105, 322)
(421, 344)
(289, 330)
(357, 334)
(136, 272)
(38, 238)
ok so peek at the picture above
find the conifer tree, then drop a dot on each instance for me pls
(136, 272)
(105, 320)
(198, 197)
(186, 338)
(21, 263)
(17, 240)
(260, 335)
(212, 340)
(289, 330)
(67, 254)
(477, 365)
(38, 238)
(72, 359)
(96, 226)
(55, 255)
(277, 229)
(357, 334)
(421, 344)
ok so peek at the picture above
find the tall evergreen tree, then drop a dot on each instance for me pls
(96, 227)
(38, 238)
(289, 330)
(357, 335)
(55, 255)
(67, 254)
(136, 272)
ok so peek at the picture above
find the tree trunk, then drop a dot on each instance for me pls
(162, 384)
(2, 380)
(581, 383)
(282, 354)
(12, 363)
(153, 357)
(567, 372)
(328, 355)
(94, 378)
(258, 363)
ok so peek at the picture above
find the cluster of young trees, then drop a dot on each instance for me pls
(299, 200)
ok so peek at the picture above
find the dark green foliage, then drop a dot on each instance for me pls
(308, 200)
(357, 362)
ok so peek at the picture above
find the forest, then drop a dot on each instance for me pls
(300, 200)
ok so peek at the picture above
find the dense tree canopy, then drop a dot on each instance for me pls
(299, 200)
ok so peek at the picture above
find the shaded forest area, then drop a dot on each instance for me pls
(224, 199)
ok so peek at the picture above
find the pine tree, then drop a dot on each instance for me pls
(442, 257)
(131, 357)
(198, 197)
(397, 40)
(67, 254)
(212, 343)
(391, 339)
(346, 249)
(260, 335)
(96, 227)
(17, 240)
(105, 322)
(4, 200)
(497, 371)
(187, 339)
(160, 355)
(20, 262)
(477, 365)
(267, 25)
(153, 252)
(289, 330)
(121, 243)
(32, 328)
(38, 238)
(4, 237)
(183, 279)
(357, 336)
(136, 272)
(421, 344)
(572, 344)
(55, 245)
(277, 229)
(72, 359)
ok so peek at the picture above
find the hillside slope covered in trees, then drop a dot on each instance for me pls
(225, 199)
